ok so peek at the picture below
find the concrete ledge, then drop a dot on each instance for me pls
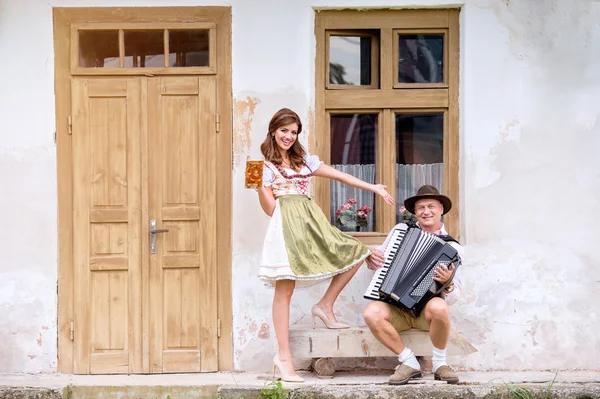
(417, 391)
(141, 392)
(29, 393)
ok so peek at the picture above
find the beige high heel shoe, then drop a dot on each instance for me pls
(287, 378)
(333, 325)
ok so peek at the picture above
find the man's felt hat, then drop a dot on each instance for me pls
(425, 192)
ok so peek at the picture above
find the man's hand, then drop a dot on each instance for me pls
(442, 274)
(375, 260)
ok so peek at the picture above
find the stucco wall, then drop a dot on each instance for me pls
(529, 176)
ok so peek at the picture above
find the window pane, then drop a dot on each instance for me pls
(350, 60)
(99, 48)
(188, 48)
(421, 59)
(144, 49)
(353, 152)
(419, 153)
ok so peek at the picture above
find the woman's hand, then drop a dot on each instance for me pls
(381, 190)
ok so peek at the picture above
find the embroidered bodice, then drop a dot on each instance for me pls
(285, 181)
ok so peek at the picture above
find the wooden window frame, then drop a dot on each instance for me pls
(389, 99)
(63, 18)
(374, 60)
(396, 49)
(211, 69)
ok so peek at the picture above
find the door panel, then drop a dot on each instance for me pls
(182, 186)
(107, 203)
(141, 141)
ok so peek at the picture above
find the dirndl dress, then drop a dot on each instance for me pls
(300, 243)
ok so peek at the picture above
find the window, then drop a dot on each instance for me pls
(387, 108)
(140, 48)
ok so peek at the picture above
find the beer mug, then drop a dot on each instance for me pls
(254, 173)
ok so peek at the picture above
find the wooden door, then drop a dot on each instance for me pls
(144, 150)
(182, 199)
(107, 225)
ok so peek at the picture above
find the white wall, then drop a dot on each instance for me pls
(529, 177)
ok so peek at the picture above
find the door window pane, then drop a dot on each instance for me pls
(99, 48)
(188, 48)
(144, 49)
(353, 151)
(421, 58)
(350, 60)
(419, 154)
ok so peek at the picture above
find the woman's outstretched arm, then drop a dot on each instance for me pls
(327, 171)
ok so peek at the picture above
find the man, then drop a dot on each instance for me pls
(387, 321)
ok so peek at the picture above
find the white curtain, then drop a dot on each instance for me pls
(340, 193)
(408, 180)
(410, 177)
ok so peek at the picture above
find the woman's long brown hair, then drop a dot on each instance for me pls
(269, 147)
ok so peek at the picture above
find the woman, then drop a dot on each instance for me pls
(301, 245)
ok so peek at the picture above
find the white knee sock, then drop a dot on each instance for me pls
(438, 359)
(408, 357)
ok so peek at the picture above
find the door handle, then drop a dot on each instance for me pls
(153, 232)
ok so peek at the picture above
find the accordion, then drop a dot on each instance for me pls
(406, 278)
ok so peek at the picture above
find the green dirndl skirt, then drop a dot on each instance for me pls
(302, 245)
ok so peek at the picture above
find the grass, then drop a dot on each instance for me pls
(524, 393)
(274, 390)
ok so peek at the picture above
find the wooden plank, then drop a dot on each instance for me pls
(179, 86)
(108, 215)
(100, 299)
(106, 263)
(381, 19)
(207, 182)
(181, 361)
(375, 239)
(154, 184)
(120, 310)
(306, 342)
(387, 172)
(107, 88)
(321, 136)
(142, 71)
(452, 141)
(62, 90)
(143, 25)
(166, 47)
(387, 59)
(181, 261)
(386, 98)
(109, 363)
(134, 204)
(190, 308)
(172, 309)
(224, 190)
(145, 229)
(213, 50)
(181, 212)
(182, 237)
(81, 206)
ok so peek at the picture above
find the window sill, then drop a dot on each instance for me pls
(369, 238)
